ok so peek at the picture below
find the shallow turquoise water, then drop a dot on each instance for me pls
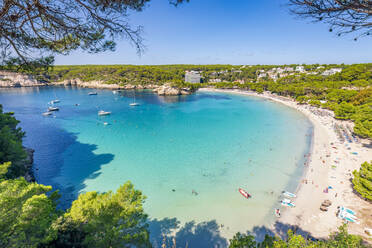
(212, 143)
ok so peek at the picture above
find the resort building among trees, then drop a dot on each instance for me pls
(192, 77)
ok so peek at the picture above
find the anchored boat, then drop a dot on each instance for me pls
(101, 112)
(289, 194)
(53, 109)
(47, 113)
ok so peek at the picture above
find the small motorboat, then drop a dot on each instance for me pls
(105, 123)
(47, 113)
(101, 112)
(244, 193)
(53, 109)
(134, 104)
(287, 203)
(93, 93)
(55, 101)
(289, 194)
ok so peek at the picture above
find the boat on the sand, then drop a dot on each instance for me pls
(289, 194)
(287, 203)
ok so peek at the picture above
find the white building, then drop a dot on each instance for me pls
(192, 77)
(215, 80)
(300, 68)
(262, 75)
(332, 71)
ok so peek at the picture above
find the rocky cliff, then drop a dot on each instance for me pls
(168, 90)
(101, 85)
(28, 163)
(13, 79)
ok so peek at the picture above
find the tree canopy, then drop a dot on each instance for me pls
(338, 239)
(343, 16)
(43, 27)
(11, 149)
(363, 180)
(112, 219)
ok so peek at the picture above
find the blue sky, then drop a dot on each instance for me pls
(229, 32)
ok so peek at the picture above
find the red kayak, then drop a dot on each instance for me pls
(244, 193)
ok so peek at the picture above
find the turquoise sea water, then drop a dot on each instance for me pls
(210, 143)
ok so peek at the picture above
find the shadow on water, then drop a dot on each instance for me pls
(207, 234)
(57, 149)
(191, 234)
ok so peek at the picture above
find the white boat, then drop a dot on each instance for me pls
(105, 123)
(287, 203)
(289, 194)
(53, 108)
(55, 101)
(101, 112)
(92, 93)
(134, 104)
(47, 113)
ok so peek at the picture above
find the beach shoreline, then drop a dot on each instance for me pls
(330, 164)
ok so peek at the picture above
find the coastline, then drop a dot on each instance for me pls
(330, 164)
(306, 216)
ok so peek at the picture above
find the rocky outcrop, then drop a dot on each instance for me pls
(13, 79)
(28, 163)
(101, 85)
(168, 90)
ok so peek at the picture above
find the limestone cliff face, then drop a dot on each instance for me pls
(28, 163)
(13, 79)
(101, 85)
(168, 90)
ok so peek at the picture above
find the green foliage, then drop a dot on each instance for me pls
(363, 121)
(343, 239)
(4, 170)
(363, 180)
(336, 240)
(111, 219)
(11, 149)
(344, 111)
(293, 241)
(26, 213)
(69, 233)
(242, 241)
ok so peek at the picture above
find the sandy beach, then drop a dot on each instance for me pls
(331, 163)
